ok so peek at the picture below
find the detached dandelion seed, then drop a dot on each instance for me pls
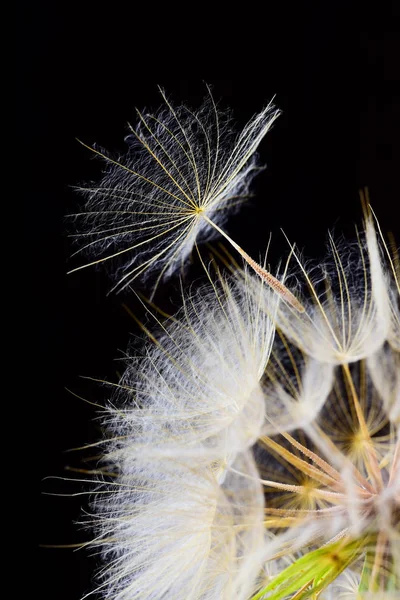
(184, 172)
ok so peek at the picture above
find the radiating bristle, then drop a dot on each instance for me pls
(346, 300)
(182, 165)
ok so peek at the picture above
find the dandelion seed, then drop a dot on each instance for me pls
(201, 379)
(347, 314)
(296, 387)
(183, 173)
(384, 368)
(168, 529)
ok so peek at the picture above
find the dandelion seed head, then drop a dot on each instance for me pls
(230, 375)
(220, 378)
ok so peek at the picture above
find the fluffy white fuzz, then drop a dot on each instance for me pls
(348, 308)
(296, 388)
(392, 281)
(384, 365)
(394, 332)
(334, 483)
(384, 368)
(168, 529)
(199, 378)
(344, 588)
(183, 168)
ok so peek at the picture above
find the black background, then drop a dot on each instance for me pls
(82, 70)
